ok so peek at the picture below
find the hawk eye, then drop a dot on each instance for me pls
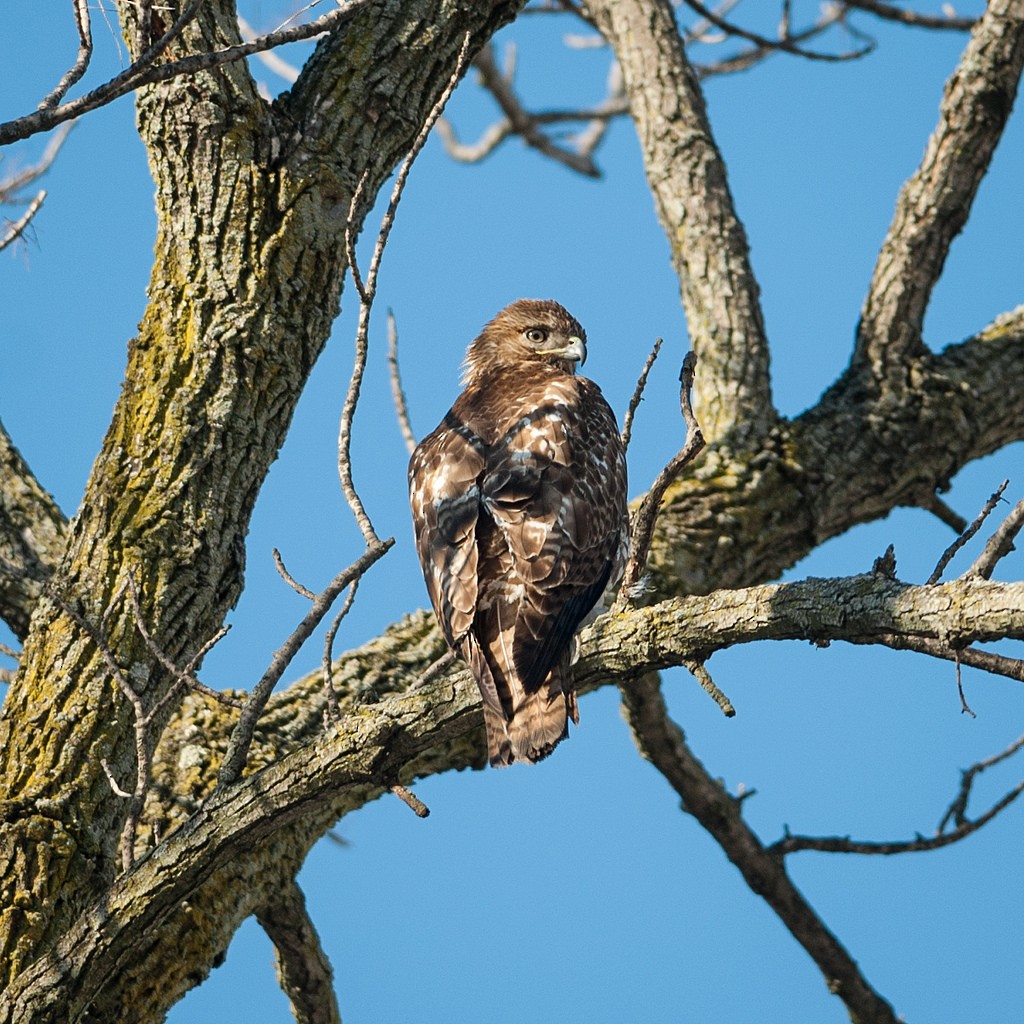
(536, 335)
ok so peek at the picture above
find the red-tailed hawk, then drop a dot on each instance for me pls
(519, 507)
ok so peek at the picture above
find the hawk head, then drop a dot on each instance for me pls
(529, 330)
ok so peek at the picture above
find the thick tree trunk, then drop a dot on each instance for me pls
(253, 202)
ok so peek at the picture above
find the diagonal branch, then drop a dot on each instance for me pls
(687, 176)
(147, 71)
(934, 204)
(303, 969)
(662, 742)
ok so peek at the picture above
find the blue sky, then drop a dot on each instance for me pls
(576, 890)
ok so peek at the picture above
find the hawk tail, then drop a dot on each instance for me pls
(538, 722)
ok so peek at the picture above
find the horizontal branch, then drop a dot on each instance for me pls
(424, 731)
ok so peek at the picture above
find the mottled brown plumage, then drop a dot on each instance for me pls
(519, 508)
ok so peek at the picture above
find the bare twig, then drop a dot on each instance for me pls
(957, 810)
(638, 394)
(17, 228)
(241, 737)
(840, 844)
(434, 669)
(397, 392)
(1000, 544)
(647, 514)
(275, 63)
(289, 579)
(418, 807)
(183, 677)
(517, 121)
(994, 664)
(368, 289)
(7, 674)
(950, 552)
(964, 707)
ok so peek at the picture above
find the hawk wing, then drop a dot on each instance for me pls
(444, 493)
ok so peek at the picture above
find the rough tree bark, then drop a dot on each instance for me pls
(253, 198)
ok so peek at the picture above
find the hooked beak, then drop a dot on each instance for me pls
(574, 352)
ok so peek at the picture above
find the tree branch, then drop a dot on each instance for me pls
(303, 969)
(687, 177)
(934, 204)
(661, 742)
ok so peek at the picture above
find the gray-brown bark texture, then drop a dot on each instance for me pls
(253, 201)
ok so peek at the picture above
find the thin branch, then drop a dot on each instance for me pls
(986, 661)
(783, 43)
(1000, 544)
(957, 810)
(183, 677)
(950, 552)
(9, 187)
(647, 514)
(278, 65)
(397, 392)
(332, 697)
(241, 737)
(144, 70)
(920, 844)
(303, 968)
(638, 394)
(906, 17)
(368, 289)
(964, 706)
(289, 579)
(75, 72)
(662, 743)
(17, 228)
